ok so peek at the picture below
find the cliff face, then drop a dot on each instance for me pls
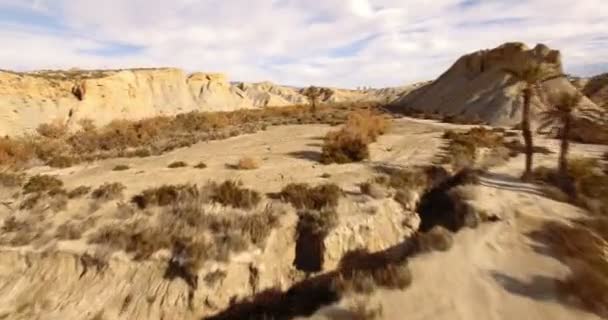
(477, 86)
(30, 99)
(27, 100)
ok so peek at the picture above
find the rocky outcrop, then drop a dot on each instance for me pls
(596, 88)
(478, 87)
(76, 280)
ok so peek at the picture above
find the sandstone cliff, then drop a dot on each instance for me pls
(477, 86)
(30, 99)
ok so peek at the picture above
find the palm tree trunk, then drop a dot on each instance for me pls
(527, 133)
(566, 183)
(565, 146)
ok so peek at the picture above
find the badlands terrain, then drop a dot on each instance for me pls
(152, 194)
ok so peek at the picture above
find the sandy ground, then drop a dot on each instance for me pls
(493, 272)
(497, 271)
(286, 154)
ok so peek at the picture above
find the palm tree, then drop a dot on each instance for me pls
(313, 94)
(561, 114)
(532, 76)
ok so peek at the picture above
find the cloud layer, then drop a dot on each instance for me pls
(345, 43)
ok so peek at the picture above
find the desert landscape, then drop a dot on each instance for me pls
(162, 194)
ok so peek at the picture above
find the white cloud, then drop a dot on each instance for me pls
(293, 41)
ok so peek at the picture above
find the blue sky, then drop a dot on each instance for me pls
(345, 43)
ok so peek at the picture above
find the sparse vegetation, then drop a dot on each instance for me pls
(157, 135)
(230, 193)
(192, 234)
(164, 195)
(350, 144)
(582, 247)
(108, 191)
(79, 192)
(303, 196)
(463, 148)
(41, 183)
(53, 130)
(589, 183)
(177, 164)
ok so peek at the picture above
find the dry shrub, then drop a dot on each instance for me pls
(69, 231)
(108, 191)
(350, 144)
(200, 165)
(87, 125)
(177, 164)
(374, 190)
(39, 202)
(369, 124)
(303, 196)
(61, 161)
(361, 272)
(54, 130)
(231, 193)
(462, 148)
(79, 192)
(11, 180)
(17, 232)
(41, 183)
(191, 233)
(121, 167)
(15, 151)
(247, 163)
(582, 246)
(589, 182)
(344, 146)
(164, 195)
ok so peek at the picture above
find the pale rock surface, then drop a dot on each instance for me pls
(477, 86)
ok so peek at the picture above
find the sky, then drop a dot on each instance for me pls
(345, 43)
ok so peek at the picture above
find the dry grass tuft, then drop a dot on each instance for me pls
(16, 152)
(231, 193)
(303, 196)
(41, 183)
(79, 192)
(582, 246)
(362, 272)
(121, 167)
(177, 164)
(108, 191)
(247, 163)
(164, 195)
(53, 130)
